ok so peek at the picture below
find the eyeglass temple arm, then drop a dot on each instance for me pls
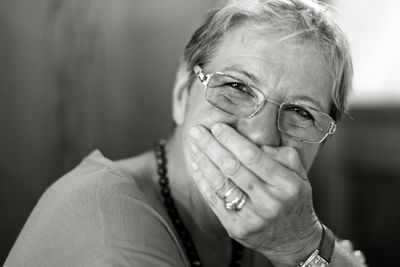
(332, 128)
(200, 74)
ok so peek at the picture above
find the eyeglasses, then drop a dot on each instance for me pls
(236, 97)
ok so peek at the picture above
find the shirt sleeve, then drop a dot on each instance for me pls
(134, 233)
(94, 217)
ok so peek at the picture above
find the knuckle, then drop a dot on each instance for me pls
(230, 166)
(256, 223)
(274, 210)
(292, 191)
(201, 160)
(208, 171)
(292, 155)
(225, 137)
(212, 198)
(252, 156)
(221, 185)
(239, 232)
(205, 142)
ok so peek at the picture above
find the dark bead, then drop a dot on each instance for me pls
(161, 142)
(171, 212)
(161, 171)
(184, 235)
(163, 181)
(159, 153)
(196, 263)
(169, 201)
(161, 162)
(166, 192)
(192, 254)
(237, 249)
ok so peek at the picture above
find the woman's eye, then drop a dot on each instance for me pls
(302, 112)
(240, 87)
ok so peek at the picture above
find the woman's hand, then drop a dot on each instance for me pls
(278, 219)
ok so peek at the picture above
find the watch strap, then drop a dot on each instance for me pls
(327, 244)
(321, 257)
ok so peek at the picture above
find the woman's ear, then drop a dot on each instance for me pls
(180, 94)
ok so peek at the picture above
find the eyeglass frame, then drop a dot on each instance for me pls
(205, 79)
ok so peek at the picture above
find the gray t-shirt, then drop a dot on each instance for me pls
(96, 215)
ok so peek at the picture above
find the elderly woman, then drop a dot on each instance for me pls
(261, 86)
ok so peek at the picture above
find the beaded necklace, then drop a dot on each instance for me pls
(191, 253)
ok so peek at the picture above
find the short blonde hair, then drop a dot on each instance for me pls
(300, 19)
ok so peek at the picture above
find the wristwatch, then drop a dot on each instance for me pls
(321, 257)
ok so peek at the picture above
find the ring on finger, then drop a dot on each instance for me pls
(232, 204)
(228, 193)
(241, 203)
(237, 203)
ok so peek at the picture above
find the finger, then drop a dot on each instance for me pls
(262, 164)
(347, 245)
(204, 187)
(261, 200)
(224, 187)
(230, 219)
(218, 182)
(225, 161)
(288, 157)
(360, 256)
(238, 224)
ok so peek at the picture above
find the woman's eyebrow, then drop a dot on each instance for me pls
(240, 70)
(309, 99)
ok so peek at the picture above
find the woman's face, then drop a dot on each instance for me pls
(286, 71)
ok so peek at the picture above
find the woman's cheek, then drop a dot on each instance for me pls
(205, 114)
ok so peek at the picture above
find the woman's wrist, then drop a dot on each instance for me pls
(298, 251)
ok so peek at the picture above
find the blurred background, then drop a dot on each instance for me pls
(83, 74)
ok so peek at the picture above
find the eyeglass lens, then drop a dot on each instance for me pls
(232, 95)
(235, 97)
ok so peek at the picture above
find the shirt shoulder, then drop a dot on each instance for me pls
(96, 216)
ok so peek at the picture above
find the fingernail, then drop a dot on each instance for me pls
(195, 166)
(195, 132)
(216, 129)
(194, 148)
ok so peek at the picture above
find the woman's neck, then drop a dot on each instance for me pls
(201, 222)
(194, 210)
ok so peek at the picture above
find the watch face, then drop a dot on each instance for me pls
(318, 261)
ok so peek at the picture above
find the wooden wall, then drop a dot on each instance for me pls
(83, 74)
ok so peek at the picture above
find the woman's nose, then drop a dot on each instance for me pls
(262, 128)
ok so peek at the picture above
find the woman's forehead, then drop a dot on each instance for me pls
(282, 68)
(263, 50)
